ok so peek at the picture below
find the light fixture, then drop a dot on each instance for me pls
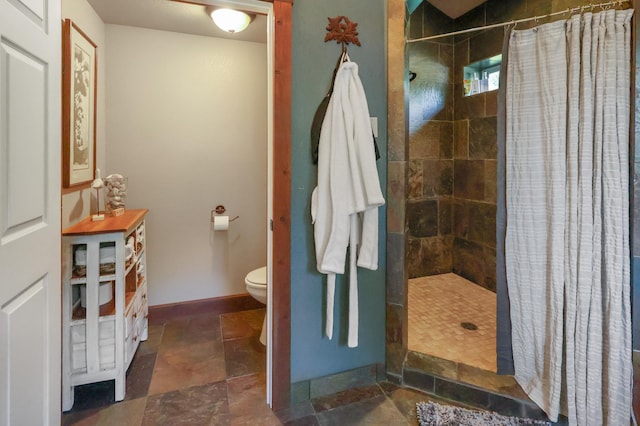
(229, 20)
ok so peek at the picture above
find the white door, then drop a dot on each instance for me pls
(30, 52)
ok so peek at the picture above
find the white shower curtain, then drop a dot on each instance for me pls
(567, 236)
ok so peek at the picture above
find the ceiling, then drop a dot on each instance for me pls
(188, 18)
(456, 8)
(173, 16)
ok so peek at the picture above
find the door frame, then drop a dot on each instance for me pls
(281, 210)
(279, 30)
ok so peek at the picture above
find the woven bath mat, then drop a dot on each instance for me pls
(433, 414)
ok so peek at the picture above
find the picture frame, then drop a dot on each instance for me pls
(79, 92)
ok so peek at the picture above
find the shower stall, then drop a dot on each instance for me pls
(441, 302)
(451, 199)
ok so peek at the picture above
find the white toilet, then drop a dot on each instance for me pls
(256, 282)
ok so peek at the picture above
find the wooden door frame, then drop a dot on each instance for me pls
(281, 268)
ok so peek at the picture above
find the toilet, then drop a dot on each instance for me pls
(256, 283)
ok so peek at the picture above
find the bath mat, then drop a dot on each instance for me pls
(433, 414)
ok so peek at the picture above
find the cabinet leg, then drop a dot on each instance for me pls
(67, 398)
(120, 388)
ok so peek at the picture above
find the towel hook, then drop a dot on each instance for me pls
(343, 31)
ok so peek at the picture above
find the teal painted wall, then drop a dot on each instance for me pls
(312, 354)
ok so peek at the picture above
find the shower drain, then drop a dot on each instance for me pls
(468, 326)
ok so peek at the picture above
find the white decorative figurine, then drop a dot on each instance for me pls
(97, 184)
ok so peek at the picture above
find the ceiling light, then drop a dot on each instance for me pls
(232, 21)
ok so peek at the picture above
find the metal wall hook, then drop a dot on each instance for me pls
(343, 31)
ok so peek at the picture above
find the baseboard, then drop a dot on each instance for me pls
(321, 386)
(214, 305)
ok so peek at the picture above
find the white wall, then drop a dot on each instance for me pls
(76, 205)
(187, 124)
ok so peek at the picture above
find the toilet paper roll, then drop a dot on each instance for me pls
(220, 223)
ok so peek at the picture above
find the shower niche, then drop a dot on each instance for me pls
(482, 76)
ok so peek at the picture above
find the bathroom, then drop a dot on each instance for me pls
(476, 249)
(312, 357)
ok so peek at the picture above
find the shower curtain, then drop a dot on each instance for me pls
(567, 234)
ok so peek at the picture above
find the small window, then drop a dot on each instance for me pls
(482, 76)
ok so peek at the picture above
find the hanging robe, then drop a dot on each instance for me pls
(345, 203)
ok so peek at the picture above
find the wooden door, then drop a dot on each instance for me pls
(30, 52)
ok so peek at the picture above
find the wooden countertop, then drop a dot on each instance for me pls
(123, 223)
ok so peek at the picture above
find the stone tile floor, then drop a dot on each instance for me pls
(440, 307)
(209, 369)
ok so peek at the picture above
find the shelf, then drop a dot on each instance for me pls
(128, 298)
(108, 309)
(122, 223)
(482, 76)
(107, 273)
(100, 320)
(80, 313)
(83, 280)
(129, 267)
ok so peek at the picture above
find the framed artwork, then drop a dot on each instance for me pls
(79, 66)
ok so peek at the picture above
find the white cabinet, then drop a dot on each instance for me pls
(104, 300)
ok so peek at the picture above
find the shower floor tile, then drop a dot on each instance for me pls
(452, 318)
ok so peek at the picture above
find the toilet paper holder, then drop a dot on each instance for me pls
(220, 209)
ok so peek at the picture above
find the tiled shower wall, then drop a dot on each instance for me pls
(475, 153)
(451, 206)
(430, 186)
